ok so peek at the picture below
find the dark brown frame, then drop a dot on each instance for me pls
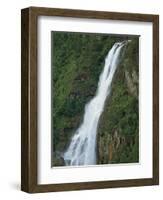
(29, 99)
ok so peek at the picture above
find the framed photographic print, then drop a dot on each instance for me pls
(90, 99)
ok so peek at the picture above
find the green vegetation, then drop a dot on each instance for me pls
(77, 61)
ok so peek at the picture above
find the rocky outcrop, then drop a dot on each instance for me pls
(109, 146)
(58, 161)
(132, 82)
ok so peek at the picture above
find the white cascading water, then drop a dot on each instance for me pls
(82, 148)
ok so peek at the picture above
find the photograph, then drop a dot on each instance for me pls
(90, 99)
(94, 98)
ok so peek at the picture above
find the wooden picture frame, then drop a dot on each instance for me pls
(29, 112)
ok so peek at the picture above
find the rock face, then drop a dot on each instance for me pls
(118, 137)
(58, 161)
(132, 82)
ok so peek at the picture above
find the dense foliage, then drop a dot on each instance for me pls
(77, 61)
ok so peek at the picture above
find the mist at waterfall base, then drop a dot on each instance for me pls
(82, 147)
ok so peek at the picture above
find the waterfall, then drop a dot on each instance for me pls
(82, 148)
